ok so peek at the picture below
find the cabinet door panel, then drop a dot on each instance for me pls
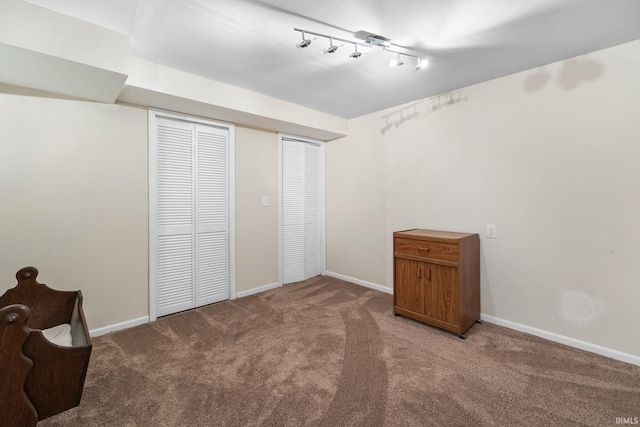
(409, 282)
(442, 293)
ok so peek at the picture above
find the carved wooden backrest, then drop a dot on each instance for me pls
(48, 307)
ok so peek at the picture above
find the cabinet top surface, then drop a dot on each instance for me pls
(418, 233)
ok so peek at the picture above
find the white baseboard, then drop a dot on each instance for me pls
(551, 336)
(360, 282)
(142, 320)
(119, 326)
(257, 290)
(571, 342)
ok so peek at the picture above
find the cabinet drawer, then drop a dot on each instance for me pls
(426, 249)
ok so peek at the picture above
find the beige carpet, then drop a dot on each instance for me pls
(329, 353)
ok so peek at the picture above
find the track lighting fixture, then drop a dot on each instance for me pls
(368, 41)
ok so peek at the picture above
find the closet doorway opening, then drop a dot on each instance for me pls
(191, 212)
(302, 208)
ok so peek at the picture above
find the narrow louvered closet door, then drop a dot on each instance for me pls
(190, 211)
(302, 229)
(175, 218)
(312, 205)
(293, 212)
(211, 214)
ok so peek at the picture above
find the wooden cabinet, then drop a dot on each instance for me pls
(436, 278)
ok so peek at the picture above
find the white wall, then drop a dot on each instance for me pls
(549, 155)
(256, 226)
(73, 201)
(355, 203)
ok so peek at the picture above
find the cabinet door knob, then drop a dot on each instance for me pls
(424, 248)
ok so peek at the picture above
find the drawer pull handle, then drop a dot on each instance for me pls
(424, 248)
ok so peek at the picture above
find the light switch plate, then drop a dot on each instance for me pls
(265, 201)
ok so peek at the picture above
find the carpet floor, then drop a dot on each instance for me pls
(326, 352)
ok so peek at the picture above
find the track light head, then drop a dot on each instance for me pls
(355, 54)
(332, 48)
(304, 43)
(396, 62)
(422, 64)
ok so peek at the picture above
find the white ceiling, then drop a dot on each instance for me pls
(251, 43)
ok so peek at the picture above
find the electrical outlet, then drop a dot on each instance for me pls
(265, 201)
(491, 231)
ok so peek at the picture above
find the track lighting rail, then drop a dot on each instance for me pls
(372, 41)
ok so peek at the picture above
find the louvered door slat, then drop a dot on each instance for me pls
(293, 253)
(175, 174)
(212, 267)
(212, 176)
(175, 273)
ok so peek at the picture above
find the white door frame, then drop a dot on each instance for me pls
(321, 178)
(153, 116)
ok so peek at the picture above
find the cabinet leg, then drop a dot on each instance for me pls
(462, 336)
(396, 314)
(479, 321)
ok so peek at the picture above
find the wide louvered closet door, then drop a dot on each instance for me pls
(301, 211)
(192, 264)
